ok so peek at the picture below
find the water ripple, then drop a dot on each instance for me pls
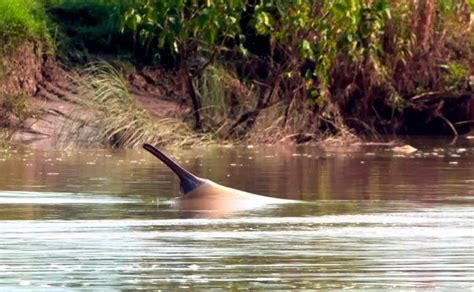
(55, 198)
(401, 250)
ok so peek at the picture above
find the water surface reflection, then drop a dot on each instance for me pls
(371, 219)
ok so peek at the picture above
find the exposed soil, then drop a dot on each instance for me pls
(48, 86)
(157, 91)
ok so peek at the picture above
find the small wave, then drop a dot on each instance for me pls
(55, 198)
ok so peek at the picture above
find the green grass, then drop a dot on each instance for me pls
(22, 19)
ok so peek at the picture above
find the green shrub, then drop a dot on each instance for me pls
(455, 75)
(86, 26)
(22, 19)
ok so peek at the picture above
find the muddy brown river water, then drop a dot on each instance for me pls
(368, 218)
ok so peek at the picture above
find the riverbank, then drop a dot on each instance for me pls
(77, 73)
(45, 104)
(48, 107)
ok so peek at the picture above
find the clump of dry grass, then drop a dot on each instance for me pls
(226, 99)
(111, 116)
(14, 111)
(297, 123)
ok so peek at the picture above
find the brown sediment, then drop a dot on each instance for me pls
(22, 69)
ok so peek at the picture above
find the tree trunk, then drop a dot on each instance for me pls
(191, 91)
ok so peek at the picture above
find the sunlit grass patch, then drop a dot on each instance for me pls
(21, 19)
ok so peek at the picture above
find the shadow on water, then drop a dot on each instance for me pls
(372, 218)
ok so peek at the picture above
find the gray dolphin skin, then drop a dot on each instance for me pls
(203, 194)
(188, 181)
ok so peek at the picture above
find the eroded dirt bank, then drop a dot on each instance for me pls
(38, 95)
(38, 98)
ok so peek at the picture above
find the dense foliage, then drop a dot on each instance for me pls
(298, 69)
(21, 19)
(358, 61)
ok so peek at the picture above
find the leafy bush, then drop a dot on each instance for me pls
(455, 76)
(22, 19)
(90, 25)
(356, 61)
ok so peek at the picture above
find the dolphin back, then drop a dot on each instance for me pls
(188, 181)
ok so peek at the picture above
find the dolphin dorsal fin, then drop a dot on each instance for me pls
(188, 181)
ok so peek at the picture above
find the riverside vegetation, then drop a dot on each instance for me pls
(240, 71)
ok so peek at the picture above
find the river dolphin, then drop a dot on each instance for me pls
(201, 194)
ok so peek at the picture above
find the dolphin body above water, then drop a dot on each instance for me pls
(200, 194)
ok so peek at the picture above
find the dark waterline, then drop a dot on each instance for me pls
(370, 218)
